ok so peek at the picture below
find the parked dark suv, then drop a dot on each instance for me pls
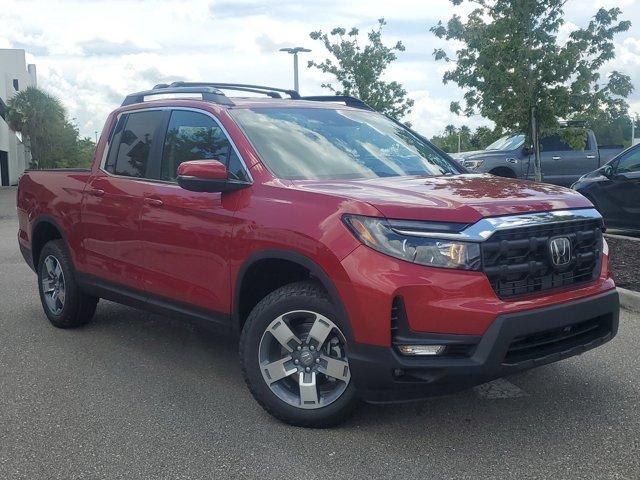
(353, 259)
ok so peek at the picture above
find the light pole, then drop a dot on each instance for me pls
(294, 51)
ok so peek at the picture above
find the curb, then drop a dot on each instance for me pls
(629, 299)
(622, 237)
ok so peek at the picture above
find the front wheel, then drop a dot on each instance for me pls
(294, 357)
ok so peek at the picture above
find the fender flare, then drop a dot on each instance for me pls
(301, 260)
(45, 218)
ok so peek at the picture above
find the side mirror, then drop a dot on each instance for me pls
(527, 150)
(207, 176)
(607, 171)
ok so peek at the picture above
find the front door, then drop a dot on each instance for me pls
(186, 236)
(621, 193)
(112, 201)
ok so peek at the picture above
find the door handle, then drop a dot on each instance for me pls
(96, 192)
(555, 158)
(591, 157)
(153, 202)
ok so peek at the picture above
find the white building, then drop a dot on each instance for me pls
(15, 75)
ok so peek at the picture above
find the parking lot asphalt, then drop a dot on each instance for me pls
(140, 396)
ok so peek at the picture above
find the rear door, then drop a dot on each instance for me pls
(186, 235)
(562, 164)
(113, 198)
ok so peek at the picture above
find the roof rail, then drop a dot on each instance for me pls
(272, 92)
(349, 101)
(208, 93)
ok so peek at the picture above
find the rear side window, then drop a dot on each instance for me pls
(554, 143)
(134, 136)
(196, 136)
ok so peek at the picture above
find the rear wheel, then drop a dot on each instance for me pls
(294, 359)
(65, 305)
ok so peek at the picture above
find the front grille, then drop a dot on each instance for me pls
(541, 344)
(518, 262)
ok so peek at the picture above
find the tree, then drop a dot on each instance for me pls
(40, 118)
(453, 137)
(51, 139)
(517, 73)
(359, 70)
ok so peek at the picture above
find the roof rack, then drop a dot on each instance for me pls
(349, 101)
(208, 93)
(212, 91)
(272, 92)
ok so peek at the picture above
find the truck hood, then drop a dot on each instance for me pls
(461, 198)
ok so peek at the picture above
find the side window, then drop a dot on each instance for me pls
(553, 143)
(630, 162)
(196, 136)
(114, 143)
(131, 156)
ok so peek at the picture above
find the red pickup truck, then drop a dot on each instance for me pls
(353, 258)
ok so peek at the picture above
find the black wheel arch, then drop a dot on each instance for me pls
(316, 271)
(508, 172)
(44, 229)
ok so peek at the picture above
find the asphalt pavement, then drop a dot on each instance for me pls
(140, 396)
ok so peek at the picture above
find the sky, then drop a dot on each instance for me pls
(90, 54)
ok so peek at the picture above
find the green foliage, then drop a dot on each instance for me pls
(478, 140)
(511, 64)
(359, 70)
(611, 131)
(48, 135)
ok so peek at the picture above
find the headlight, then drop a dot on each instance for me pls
(415, 242)
(473, 164)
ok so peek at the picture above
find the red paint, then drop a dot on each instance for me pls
(190, 246)
(206, 169)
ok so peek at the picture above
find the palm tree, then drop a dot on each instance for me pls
(40, 118)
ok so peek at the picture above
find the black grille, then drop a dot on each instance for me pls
(396, 307)
(517, 262)
(541, 344)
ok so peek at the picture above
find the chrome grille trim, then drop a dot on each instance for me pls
(483, 229)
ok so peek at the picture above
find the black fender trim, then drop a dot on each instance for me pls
(45, 218)
(302, 260)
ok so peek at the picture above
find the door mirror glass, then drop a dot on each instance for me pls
(607, 171)
(206, 176)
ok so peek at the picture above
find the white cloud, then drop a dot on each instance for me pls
(92, 53)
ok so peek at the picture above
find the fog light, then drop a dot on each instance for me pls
(421, 349)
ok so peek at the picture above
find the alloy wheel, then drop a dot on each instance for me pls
(303, 360)
(53, 285)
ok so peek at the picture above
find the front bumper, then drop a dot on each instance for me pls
(513, 342)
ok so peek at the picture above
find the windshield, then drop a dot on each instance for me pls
(326, 144)
(510, 142)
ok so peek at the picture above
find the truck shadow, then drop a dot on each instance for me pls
(550, 397)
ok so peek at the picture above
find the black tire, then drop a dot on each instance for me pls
(77, 308)
(306, 295)
(503, 172)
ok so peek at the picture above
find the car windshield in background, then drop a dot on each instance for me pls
(507, 143)
(326, 144)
